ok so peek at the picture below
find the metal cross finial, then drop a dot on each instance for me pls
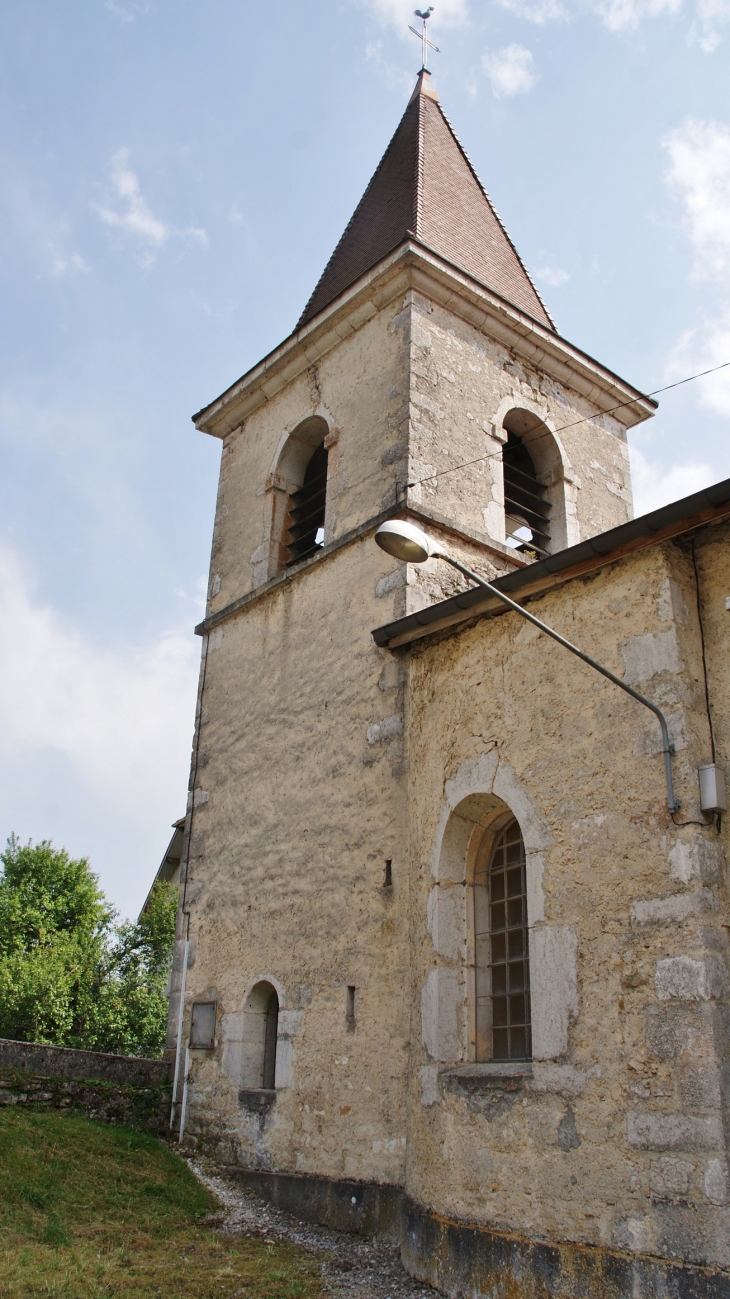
(426, 44)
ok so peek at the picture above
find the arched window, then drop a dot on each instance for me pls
(260, 1032)
(526, 506)
(295, 500)
(305, 532)
(502, 966)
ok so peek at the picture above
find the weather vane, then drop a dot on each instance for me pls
(426, 44)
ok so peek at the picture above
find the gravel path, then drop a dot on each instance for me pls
(351, 1266)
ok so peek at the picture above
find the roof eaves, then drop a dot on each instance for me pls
(697, 510)
(531, 324)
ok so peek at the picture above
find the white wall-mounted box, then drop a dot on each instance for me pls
(713, 788)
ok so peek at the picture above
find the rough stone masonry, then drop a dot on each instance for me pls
(356, 1034)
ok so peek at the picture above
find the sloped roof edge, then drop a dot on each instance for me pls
(697, 510)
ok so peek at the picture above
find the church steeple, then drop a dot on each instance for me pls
(426, 189)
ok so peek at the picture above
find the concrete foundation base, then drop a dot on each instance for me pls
(467, 1261)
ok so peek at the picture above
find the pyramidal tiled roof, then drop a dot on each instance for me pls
(426, 188)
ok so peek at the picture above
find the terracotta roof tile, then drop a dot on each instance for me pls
(426, 187)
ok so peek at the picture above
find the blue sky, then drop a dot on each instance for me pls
(173, 178)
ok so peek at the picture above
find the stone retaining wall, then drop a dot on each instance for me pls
(123, 1090)
(65, 1062)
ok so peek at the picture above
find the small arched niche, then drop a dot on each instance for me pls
(300, 477)
(260, 1034)
(534, 485)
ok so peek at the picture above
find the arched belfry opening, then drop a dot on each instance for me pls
(527, 507)
(305, 533)
(299, 499)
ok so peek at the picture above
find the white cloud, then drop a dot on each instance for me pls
(127, 13)
(704, 348)
(711, 16)
(135, 216)
(395, 77)
(625, 15)
(399, 13)
(699, 175)
(654, 486)
(539, 12)
(70, 265)
(115, 715)
(123, 720)
(555, 276)
(510, 70)
(133, 213)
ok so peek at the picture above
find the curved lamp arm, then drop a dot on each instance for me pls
(667, 747)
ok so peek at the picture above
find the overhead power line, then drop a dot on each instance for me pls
(587, 419)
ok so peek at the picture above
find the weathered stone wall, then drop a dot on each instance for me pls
(359, 391)
(319, 757)
(67, 1062)
(462, 385)
(299, 804)
(143, 1103)
(615, 1134)
(411, 392)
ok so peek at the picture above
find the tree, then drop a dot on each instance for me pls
(68, 975)
(130, 1010)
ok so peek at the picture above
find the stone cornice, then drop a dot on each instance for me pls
(412, 265)
(420, 513)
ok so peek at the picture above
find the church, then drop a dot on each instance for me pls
(452, 953)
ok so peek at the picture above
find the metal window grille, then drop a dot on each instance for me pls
(306, 510)
(509, 963)
(524, 496)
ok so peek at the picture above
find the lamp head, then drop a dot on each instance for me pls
(405, 541)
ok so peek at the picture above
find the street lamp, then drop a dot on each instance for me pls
(405, 541)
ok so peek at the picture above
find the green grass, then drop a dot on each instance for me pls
(93, 1212)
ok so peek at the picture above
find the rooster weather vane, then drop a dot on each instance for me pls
(426, 44)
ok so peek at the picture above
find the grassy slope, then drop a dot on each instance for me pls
(92, 1212)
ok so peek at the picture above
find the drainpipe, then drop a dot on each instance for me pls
(178, 1046)
(184, 1106)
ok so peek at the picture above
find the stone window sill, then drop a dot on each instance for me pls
(258, 1099)
(494, 1075)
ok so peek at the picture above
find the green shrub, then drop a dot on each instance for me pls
(70, 975)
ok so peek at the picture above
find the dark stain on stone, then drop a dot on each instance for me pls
(568, 1138)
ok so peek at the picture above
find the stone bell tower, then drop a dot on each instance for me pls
(426, 379)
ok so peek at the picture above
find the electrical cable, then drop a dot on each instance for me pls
(587, 419)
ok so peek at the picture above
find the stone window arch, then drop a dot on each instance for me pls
(260, 1036)
(297, 496)
(527, 507)
(480, 799)
(539, 488)
(500, 944)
